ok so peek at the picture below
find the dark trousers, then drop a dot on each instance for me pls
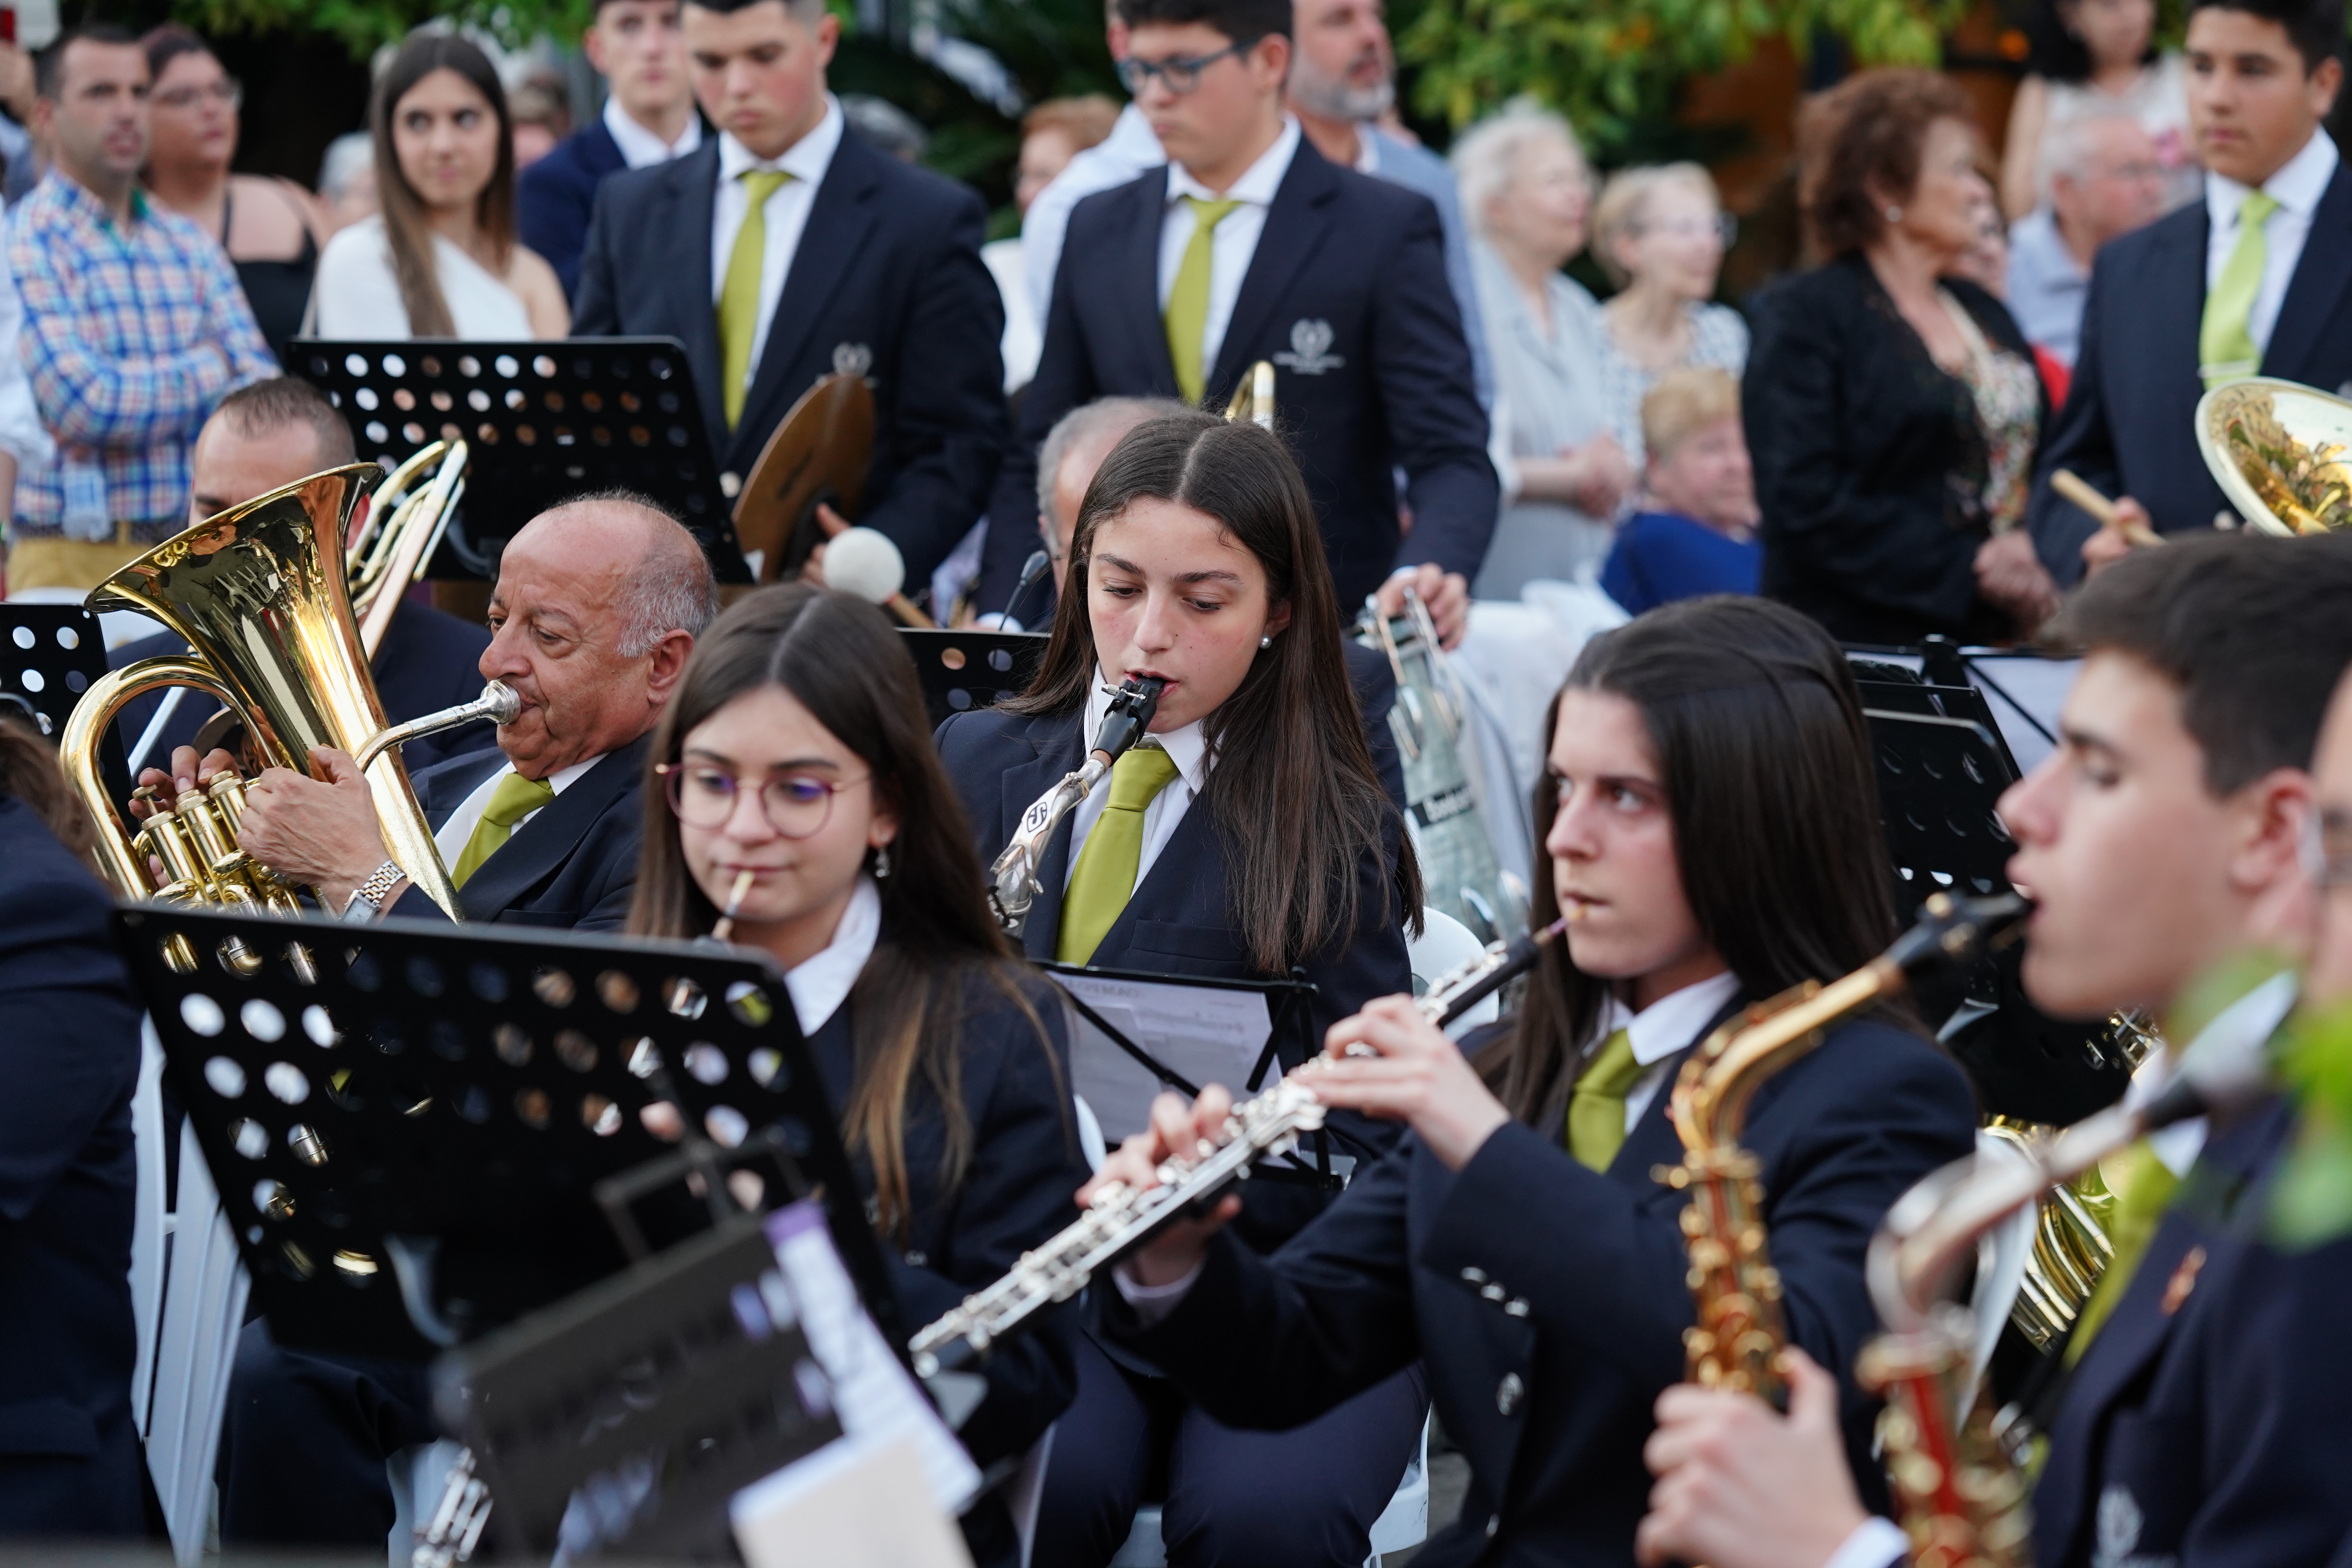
(1303, 1499)
(304, 1446)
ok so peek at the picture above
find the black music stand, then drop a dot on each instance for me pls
(407, 1121)
(49, 656)
(962, 670)
(542, 421)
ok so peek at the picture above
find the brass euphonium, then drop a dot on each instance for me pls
(403, 529)
(1253, 396)
(1735, 1344)
(259, 594)
(2279, 451)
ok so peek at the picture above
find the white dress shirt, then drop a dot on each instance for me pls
(640, 148)
(1128, 151)
(2256, 1016)
(1660, 1029)
(787, 212)
(1185, 747)
(450, 839)
(2298, 188)
(1876, 1542)
(820, 984)
(1235, 240)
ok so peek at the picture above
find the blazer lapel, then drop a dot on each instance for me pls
(1058, 751)
(839, 219)
(541, 844)
(1296, 224)
(1653, 1141)
(2320, 276)
(441, 789)
(691, 184)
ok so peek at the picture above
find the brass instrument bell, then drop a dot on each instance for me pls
(2278, 449)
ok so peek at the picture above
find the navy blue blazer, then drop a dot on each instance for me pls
(572, 867)
(2127, 426)
(1021, 1189)
(888, 275)
(1346, 295)
(2208, 1423)
(428, 661)
(555, 197)
(69, 1057)
(1546, 1301)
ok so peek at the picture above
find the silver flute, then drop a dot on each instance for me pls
(1121, 1218)
(1012, 884)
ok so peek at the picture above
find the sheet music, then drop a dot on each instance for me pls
(2024, 690)
(874, 1395)
(846, 1506)
(1207, 1034)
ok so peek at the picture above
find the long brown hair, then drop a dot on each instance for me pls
(30, 772)
(841, 661)
(1296, 799)
(406, 231)
(1765, 756)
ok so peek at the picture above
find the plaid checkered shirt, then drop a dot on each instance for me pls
(131, 341)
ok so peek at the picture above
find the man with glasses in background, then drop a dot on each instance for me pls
(1249, 245)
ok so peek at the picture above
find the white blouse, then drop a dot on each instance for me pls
(357, 296)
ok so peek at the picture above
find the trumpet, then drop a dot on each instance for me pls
(1736, 1341)
(1121, 1218)
(1012, 884)
(1960, 1495)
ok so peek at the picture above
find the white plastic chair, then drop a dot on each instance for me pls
(1444, 944)
(2002, 1257)
(152, 1220)
(204, 1288)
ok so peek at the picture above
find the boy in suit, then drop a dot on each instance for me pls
(1249, 245)
(2252, 279)
(639, 49)
(786, 250)
(2204, 1419)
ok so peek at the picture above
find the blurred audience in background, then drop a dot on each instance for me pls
(1527, 191)
(1660, 234)
(271, 228)
(1695, 531)
(440, 259)
(2090, 58)
(347, 181)
(541, 114)
(1052, 134)
(2102, 176)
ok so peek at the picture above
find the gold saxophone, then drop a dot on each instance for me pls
(1736, 1341)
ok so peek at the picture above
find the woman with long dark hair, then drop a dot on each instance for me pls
(439, 259)
(796, 751)
(1710, 820)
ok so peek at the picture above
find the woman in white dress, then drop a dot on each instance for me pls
(1526, 192)
(1659, 233)
(440, 259)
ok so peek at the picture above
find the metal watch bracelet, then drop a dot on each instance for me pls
(373, 892)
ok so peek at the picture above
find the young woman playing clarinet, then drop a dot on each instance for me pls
(794, 787)
(1710, 823)
(1247, 836)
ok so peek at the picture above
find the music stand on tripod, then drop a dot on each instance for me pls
(962, 670)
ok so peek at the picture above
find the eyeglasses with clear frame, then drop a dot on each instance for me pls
(797, 805)
(227, 91)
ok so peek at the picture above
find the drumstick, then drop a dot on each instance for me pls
(2071, 486)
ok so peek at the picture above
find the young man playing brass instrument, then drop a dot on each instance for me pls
(2208, 1419)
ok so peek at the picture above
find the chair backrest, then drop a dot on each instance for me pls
(1446, 944)
(196, 1347)
(152, 1221)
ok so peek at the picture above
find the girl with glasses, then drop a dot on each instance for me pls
(796, 751)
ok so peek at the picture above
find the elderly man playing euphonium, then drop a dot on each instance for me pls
(598, 603)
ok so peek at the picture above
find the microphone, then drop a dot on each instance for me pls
(1031, 570)
(867, 563)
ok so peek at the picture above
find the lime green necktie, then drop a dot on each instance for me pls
(2148, 1186)
(1596, 1112)
(739, 297)
(2225, 348)
(515, 798)
(1187, 301)
(1104, 877)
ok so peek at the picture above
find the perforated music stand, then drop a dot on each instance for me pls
(49, 656)
(962, 670)
(542, 420)
(406, 1121)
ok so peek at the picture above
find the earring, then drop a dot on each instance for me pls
(881, 862)
(1893, 214)
(1266, 642)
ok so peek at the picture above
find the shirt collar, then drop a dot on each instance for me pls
(2297, 186)
(641, 148)
(82, 199)
(1258, 182)
(807, 159)
(1187, 748)
(1367, 149)
(820, 984)
(1669, 1023)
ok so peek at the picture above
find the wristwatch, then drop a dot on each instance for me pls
(367, 901)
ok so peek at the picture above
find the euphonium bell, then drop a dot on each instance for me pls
(2278, 449)
(258, 593)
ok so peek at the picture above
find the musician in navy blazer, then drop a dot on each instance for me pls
(1343, 290)
(2129, 426)
(70, 1055)
(884, 280)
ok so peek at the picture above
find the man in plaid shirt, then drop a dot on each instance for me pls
(134, 326)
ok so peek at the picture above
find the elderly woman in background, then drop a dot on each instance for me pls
(1660, 234)
(1891, 407)
(1696, 532)
(1525, 192)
